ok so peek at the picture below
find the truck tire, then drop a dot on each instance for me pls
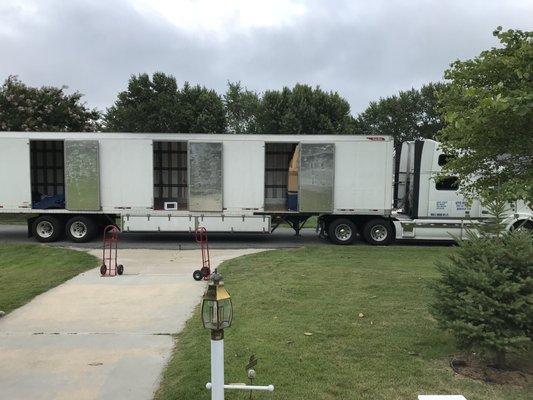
(47, 228)
(342, 231)
(378, 232)
(80, 229)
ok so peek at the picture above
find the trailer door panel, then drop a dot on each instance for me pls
(316, 177)
(244, 175)
(205, 176)
(15, 184)
(363, 177)
(82, 175)
(127, 178)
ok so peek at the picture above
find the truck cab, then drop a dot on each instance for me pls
(435, 209)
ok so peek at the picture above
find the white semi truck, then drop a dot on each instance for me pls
(73, 184)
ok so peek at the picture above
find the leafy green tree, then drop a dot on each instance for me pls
(25, 108)
(304, 110)
(157, 105)
(412, 114)
(201, 110)
(488, 110)
(242, 107)
(485, 293)
(148, 105)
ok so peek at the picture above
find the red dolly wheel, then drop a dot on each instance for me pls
(120, 269)
(197, 275)
(103, 269)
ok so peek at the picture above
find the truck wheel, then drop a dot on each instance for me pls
(342, 231)
(80, 229)
(47, 229)
(378, 232)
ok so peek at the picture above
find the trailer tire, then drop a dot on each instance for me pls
(378, 232)
(342, 231)
(47, 228)
(81, 229)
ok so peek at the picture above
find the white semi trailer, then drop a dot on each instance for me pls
(74, 183)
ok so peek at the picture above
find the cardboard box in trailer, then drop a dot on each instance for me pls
(77, 182)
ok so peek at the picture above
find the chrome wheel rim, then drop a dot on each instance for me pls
(78, 230)
(45, 229)
(378, 233)
(343, 232)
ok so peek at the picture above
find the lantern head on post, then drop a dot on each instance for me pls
(217, 310)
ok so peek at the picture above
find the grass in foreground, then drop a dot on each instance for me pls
(29, 270)
(394, 352)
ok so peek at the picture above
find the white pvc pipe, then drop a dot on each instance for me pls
(269, 388)
(217, 369)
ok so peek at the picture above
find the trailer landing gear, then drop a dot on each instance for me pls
(296, 222)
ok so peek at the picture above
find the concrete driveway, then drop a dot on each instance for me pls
(102, 338)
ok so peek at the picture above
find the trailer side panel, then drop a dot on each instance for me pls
(126, 176)
(363, 177)
(15, 184)
(244, 176)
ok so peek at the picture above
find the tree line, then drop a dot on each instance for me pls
(157, 104)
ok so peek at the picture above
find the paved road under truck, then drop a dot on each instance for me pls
(74, 184)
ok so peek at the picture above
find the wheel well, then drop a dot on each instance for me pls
(528, 224)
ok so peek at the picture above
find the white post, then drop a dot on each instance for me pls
(217, 369)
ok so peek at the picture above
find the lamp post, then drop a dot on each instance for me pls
(217, 314)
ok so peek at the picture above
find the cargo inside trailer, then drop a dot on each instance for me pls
(278, 158)
(47, 173)
(170, 175)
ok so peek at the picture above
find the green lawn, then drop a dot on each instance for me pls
(394, 352)
(28, 270)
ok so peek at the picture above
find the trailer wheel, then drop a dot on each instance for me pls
(103, 269)
(47, 229)
(378, 232)
(80, 229)
(342, 231)
(120, 269)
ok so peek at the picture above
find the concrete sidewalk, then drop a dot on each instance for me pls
(102, 338)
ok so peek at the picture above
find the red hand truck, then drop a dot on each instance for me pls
(109, 266)
(205, 272)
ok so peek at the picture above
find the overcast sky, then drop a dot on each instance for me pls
(362, 49)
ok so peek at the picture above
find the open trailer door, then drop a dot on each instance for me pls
(316, 177)
(82, 175)
(205, 176)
